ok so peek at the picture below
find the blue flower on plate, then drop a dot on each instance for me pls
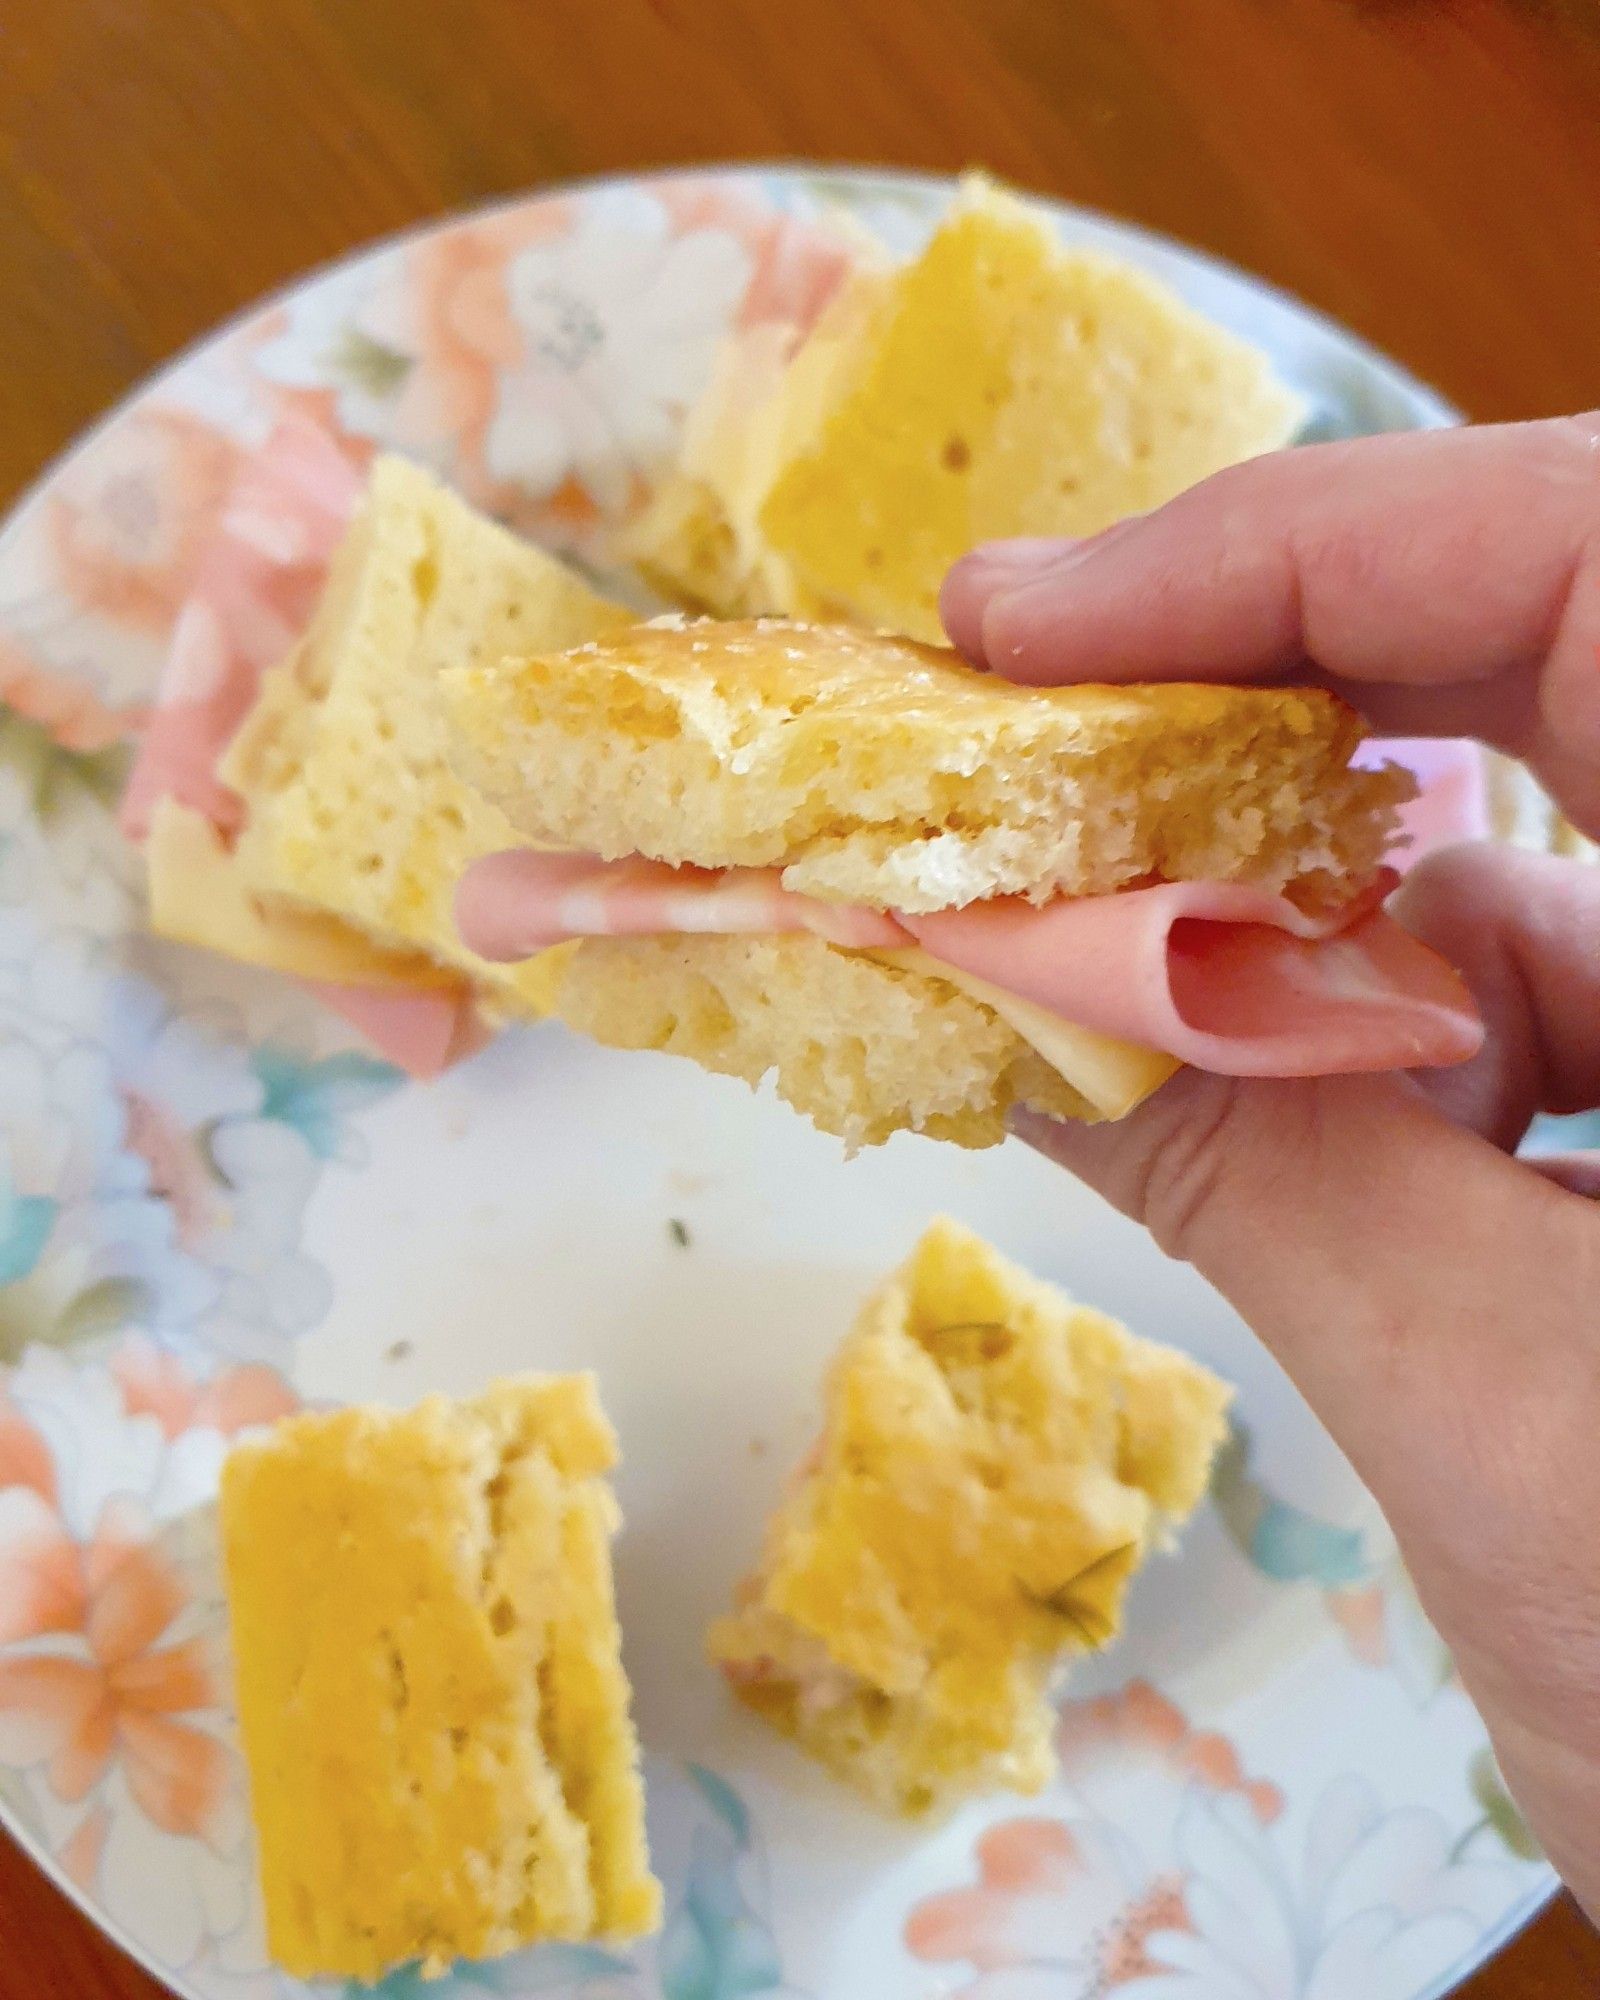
(1280, 1539)
(716, 1943)
(25, 1224)
(569, 1970)
(319, 1097)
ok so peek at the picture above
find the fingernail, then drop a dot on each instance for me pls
(1021, 555)
(990, 570)
(1019, 611)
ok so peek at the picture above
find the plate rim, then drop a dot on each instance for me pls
(782, 166)
(868, 176)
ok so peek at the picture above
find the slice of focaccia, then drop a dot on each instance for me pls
(429, 1680)
(353, 811)
(997, 384)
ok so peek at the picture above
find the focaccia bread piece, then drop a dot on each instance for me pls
(429, 1677)
(995, 1464)
(997, 384)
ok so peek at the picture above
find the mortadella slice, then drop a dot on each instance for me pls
(254, 589)
(511, 906)
(421, 1032)
(1229, 979)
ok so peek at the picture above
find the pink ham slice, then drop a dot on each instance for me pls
(422, 1032)
(1229, 979)
(510, 906)
(254, 588)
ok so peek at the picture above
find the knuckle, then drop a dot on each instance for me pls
(1186, 1170)
(1450, 885)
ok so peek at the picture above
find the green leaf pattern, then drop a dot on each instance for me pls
(373, 366)
(55, 777)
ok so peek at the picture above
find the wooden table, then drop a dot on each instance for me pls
(1426, 172)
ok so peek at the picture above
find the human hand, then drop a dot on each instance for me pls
(1437, 1300)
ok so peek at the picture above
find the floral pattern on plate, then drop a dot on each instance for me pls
(113, 1723)
(169, 1124)
(1208, 1900)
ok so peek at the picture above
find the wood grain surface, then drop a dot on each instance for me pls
(1428, 172)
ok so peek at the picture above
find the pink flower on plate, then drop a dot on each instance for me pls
(617, 320)
(91, 1670)
(404, 351)
(1057, 1909)
(178, 1170)
(155, 1383)
(1064, 1908)
(1368, 1904)
(797, 264)
(465, 334)
(25, 1462)
(1139, 1723)
(92, 572)
(69, 712)
(112, 1631)
(128, 518)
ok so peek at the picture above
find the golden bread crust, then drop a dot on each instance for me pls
(354, 809)
(862, 1049)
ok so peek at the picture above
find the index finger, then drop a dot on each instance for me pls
(1446, 583)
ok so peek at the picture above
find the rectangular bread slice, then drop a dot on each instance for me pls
(429, 1679)
(353, 808)
(863, 1047)
(995, 1464)
(875, 770)
(996, 384)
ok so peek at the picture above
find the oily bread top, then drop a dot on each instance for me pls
(876, 770)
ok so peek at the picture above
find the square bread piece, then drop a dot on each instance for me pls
(353, 807)
(997, 384)
(879, 771)
(430, 1687)
(995, 1463)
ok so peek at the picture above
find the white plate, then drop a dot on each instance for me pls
(212, 1205)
